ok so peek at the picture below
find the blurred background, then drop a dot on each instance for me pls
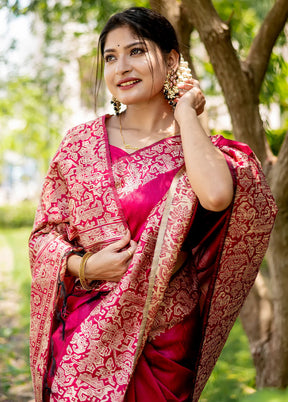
(47, 73)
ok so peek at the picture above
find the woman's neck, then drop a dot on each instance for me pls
(150, 119)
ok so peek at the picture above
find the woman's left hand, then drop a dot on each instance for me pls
(190, 95)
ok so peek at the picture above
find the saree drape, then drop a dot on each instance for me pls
(80, 209)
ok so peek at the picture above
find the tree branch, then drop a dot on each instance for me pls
(233, 79)
(215, 35)
(263, 43)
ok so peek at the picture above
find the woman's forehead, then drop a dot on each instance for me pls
(121, 33)
(125, 34)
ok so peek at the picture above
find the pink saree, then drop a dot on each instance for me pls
(119, 338)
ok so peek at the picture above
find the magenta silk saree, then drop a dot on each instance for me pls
(127, 331)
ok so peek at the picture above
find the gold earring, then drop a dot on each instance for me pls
(170, 88)
(116, 105)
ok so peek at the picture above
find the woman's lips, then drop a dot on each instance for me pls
(128, 84)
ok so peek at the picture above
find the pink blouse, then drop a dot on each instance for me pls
(137, 205)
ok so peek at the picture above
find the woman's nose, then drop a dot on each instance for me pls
(123, 65)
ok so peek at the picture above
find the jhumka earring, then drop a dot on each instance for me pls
(170, 88)
(116, 105)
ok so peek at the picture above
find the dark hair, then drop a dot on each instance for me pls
(146, 24)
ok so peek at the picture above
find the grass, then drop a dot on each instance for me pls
(17, 240)
(234, 374)
(15, 380)
(268, 395)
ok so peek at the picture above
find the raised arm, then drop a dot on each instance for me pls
(207, 170)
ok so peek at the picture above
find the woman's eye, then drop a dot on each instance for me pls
(137, 50)
(109, 57)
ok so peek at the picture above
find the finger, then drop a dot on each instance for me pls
(196, 83)
(191, 82)
(200, 108)
(184, 85)
(133, 244)
(187, 81)
(200, 111)
(129, 252)
(196, 90)
(180, 94)
(123, 242)
(200, 100)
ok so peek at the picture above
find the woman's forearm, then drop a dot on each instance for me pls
(73, 264)
(207, 170)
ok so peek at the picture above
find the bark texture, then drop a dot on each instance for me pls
(265, 313)
(278, 265)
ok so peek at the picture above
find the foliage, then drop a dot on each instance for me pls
(90, 15)
(275, 138)
(32, 110)
(18, 215)
(40, 99)
(275, 85)
(226, 133)
(31, 118)
(267, 395)
(15, 378)
(244, 18)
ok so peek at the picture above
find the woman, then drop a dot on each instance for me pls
(148, 236)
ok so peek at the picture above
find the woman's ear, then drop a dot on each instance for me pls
(173, 60)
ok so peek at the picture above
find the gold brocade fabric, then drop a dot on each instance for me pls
(80, 209)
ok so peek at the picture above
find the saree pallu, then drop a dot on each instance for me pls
(80, 209)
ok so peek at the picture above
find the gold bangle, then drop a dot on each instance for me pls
(82, 278)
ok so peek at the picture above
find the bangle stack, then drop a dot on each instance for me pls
(82, 278)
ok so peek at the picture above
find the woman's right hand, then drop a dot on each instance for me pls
(108, 264)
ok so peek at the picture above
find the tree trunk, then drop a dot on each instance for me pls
(177, 16)
(278, 265)
(235, 78)
(276, 357)
(259, 304)
(265, 313)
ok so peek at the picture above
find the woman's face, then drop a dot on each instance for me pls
(129, 63)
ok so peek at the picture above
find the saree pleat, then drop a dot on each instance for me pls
(165, 369)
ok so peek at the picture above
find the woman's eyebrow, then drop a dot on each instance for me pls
(126, 47)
